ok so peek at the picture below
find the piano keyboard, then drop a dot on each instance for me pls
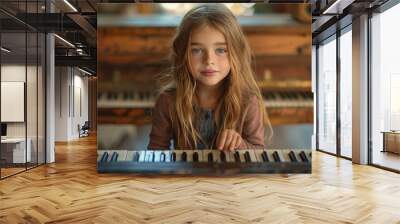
(130, 99)
(204, 161)
(126, 99)
(289, 99)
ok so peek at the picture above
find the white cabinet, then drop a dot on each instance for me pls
(16, 146)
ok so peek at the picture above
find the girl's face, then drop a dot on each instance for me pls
(208, 55)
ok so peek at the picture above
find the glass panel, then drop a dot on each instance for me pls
(327, 96)
(41, 99)
(386, 89)
(346, 94)
(31, 97)
(13, 87)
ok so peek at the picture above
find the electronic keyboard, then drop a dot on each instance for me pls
(204, 161)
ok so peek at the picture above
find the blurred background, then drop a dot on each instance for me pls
(133, 42)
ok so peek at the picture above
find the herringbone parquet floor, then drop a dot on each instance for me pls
(71, 191)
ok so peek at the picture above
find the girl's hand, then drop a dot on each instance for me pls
(229, 139)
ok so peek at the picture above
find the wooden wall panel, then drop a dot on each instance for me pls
(92, 98)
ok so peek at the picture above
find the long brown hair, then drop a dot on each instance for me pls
(239, 85)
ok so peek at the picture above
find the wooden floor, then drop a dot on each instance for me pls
(71, 191)
(387, 159)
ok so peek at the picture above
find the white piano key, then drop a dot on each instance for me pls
(189, 155)
(121, 155)
(253, 156)
(284, 154)
(149, 156)
(130, 154)
(142, 156)
(100, 154)
(167, 155)
(178, 155)
(229, 156)
(216, 156)
(157, 156)
(308, 152)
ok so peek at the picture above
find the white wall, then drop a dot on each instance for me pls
(12, 73)
(33, 126)
(71, 93)
(61, 103)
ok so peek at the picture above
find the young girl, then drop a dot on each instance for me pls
(211, 100)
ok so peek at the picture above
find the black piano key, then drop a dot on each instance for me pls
(184, 157)
(195, 157)
(136, 157)
(292, 156)
(147, 158)
(237, 157)
(150, 156)
(222, 157)
(114, 157)
(104, 157)
(276, 156)
(264, 156)
(303, 156)
(210, 157)
(173, 157)
(247, 157)
(162, 157)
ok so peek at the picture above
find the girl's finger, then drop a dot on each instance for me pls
(229, 139)
(229, 145)
(238, 141)
(221, 140)
(232, 146)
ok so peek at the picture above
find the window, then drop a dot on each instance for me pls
(327, 95)
(385, 88)
(346, 92)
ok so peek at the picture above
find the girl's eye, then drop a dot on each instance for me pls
(220, 50)
(197, 51)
